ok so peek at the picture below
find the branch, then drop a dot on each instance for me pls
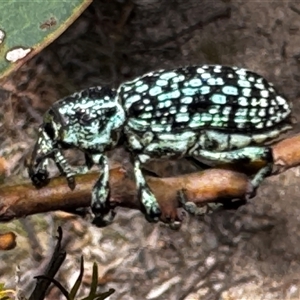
(17, 201)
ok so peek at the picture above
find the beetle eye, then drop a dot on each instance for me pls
(49, 130)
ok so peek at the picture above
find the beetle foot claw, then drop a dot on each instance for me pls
(250, 191)
(103, 220)
(151, 207)
(71, 182)
(39, 178)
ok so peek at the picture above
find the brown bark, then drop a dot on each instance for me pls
(17, 201)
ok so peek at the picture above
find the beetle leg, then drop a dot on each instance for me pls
(88, 161)
(147, 172)
(147, 198)
(100, 194)
(64, 168)
(37, 166)
(197, 163)
(243, 155)
(192, 208)
(39, 175)
(68, 171)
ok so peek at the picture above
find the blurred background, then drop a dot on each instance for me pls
(251, 253)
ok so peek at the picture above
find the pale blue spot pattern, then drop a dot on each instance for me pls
(216, 113)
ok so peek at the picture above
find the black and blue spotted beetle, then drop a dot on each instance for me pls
(217, 113)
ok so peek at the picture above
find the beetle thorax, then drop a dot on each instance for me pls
(93, 129)
(90, 120)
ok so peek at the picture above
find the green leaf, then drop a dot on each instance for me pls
(4, 292)
(94, 280)
(26, 27)
(92, 295)
(77, 284)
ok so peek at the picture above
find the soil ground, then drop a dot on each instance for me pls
(251, 253)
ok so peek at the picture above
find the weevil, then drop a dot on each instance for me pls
(217, 113)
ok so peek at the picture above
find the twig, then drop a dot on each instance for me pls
(17, 201)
